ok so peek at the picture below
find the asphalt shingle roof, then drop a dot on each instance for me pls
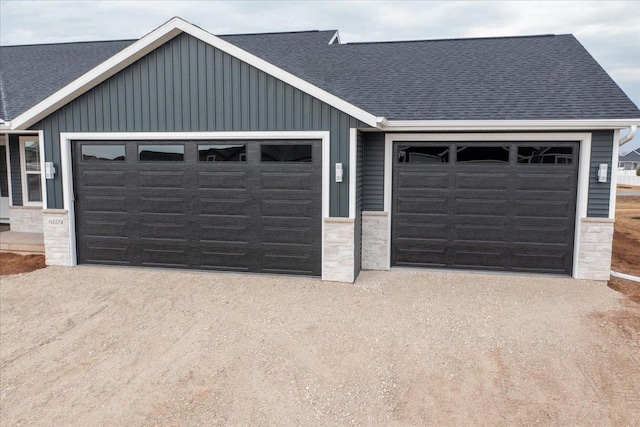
(30, 73)
(509, 78)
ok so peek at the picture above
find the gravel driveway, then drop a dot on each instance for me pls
(92, 346)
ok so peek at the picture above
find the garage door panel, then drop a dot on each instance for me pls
(288, 259)
(235, 231)
(104, 204)
(533, 259)
(506, 216)
(227, 206)
(482, 181)
(423, 180)
(222, 180)
(424, 206)
(478, 257)
(231, 258)
(162, 205)
(100, 226)
(285, 234)
(553, 182)
(100, 179)
(549, 209)
(167, 254)
(425, 255)
(166, 180)
(479, 207)
(481, 233)
(431, 231)
(289, 180)
(163, 229)
(106, 253)
(287, 208)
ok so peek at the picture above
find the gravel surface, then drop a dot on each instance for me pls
(91, 346)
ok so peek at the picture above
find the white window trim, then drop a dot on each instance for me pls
(24, 172)
(67, 138)
(582, 197)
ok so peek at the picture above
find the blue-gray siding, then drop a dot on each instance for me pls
(16, 171)
(373, 171)
(599, 192)
(188, 85)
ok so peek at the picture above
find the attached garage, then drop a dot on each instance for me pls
(241, 205)
(485, 205)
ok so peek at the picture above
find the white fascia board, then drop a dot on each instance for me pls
(453, 125)
(154, 40)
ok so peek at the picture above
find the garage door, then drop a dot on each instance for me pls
(225, 205)
(495, 205)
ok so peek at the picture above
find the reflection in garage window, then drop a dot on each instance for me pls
(548, 155)
(412, 154)
(222, 153)
(286, 153)
(482, 155)
(108, 153)
(161, 153)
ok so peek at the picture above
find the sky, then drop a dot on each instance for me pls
(609, 30)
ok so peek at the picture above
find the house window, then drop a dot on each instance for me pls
(30, 168)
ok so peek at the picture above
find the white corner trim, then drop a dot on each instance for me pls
(614, 173)
(388, 182)
(353, 154)
(66, 162)
(157, 38)
(506, 125)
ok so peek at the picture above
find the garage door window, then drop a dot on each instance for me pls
(483, 155)
(286, 153)
(222, 153)
(161, 153)
(103, 153)
(408, 154)
(548, 155)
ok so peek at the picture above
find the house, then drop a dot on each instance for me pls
(630, 161)
(295, 153)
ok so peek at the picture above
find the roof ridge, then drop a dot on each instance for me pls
(460, 38)
(275, 32)
(67, 43)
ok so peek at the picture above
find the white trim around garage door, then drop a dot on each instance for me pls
(582, 196)
(66, 139)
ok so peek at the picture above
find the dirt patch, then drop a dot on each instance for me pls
(11, 263)
(626, 236)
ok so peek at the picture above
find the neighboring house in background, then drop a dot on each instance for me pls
(630, 161)
(294, 153)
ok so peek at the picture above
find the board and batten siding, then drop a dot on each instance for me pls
(373, 172)
(599, 192)
(187, 85)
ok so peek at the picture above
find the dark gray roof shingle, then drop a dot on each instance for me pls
(30, 73)
(512, 78)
